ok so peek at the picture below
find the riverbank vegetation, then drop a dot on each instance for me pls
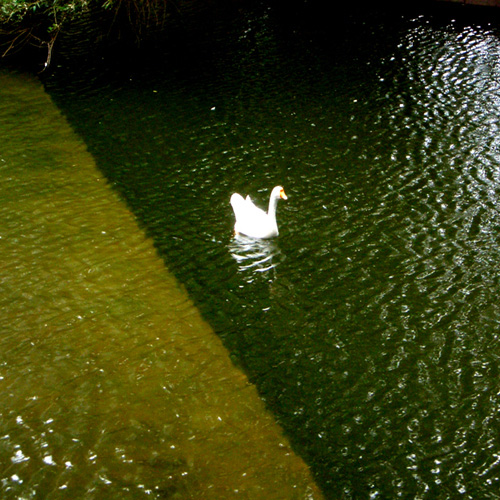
(36, 24)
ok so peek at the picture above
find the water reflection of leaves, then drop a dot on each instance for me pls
(254, 256)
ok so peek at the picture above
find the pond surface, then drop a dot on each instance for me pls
(371, 325)
(111, 384)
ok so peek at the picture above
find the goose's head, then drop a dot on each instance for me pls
(279, 192)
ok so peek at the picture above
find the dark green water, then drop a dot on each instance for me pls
(371, 325)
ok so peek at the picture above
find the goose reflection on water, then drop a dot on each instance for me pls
(254, 255)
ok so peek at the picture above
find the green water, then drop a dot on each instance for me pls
(371, 325)
(111, 384)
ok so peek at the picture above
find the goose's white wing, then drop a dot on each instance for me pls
(244, 208)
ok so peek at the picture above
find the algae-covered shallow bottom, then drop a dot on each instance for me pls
(112, 385)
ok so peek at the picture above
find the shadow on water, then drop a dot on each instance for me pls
(370, 327)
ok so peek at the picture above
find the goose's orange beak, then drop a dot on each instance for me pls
(283, 196)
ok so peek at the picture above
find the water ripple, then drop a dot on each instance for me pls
(370, 326)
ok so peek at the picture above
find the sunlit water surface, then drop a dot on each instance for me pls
(111, 384)
(371, 325)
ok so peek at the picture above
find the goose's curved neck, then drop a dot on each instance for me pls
(273, 201)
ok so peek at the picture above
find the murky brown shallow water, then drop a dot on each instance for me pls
(111, 384)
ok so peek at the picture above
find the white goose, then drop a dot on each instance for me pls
(251, 220)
